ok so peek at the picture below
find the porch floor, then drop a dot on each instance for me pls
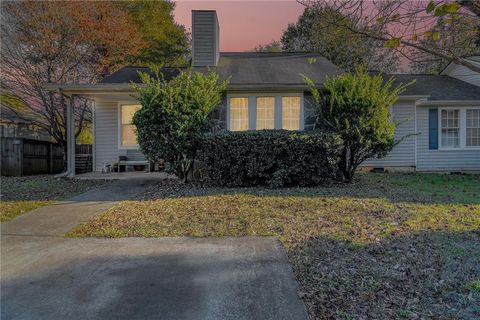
(122, 175)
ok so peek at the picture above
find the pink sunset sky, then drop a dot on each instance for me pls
(244, 24)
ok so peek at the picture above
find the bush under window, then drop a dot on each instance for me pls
(275, 158)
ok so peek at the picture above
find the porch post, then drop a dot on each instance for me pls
(70, 138)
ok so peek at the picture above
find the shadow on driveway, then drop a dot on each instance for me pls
(133, 278)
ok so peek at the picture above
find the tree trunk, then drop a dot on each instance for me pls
(348, 165)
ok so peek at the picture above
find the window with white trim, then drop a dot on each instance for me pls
(128, 134)
(473, 128)
(239, 114)
(265, 113)
(291, 113)
(450, 128)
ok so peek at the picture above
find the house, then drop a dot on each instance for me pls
(463, 73)
(20, 125)
(441, 114)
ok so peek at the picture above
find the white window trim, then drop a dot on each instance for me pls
(119, 126)
(252, 107)
(462, 125)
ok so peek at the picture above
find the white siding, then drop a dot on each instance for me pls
(106, 136)
(463, 73)
(441, 160)
(403, 154)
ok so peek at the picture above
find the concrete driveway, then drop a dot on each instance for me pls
(47, 276)
(135, 278)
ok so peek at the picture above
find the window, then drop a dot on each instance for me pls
(265, 113)
(128, 135)
(238, 114)
(450, 124)
(291, 113)
(473, 128)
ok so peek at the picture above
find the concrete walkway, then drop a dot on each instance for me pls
(47, 276)
(56, 220)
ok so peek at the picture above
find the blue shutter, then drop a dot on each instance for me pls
(433, 129)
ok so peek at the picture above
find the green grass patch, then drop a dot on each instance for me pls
(475, 286)
(375, 206)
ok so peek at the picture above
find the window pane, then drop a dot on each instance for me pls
(127, 113)
(291, 113)
(265, 113)
(450, 134)
(238, 114)
(129, 135)
(473, 127)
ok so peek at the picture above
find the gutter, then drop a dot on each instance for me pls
(449, 103)
(413, 97)
(70, 89)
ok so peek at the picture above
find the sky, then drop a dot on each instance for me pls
(243, 24)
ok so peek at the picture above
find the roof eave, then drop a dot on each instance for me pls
(449, 103)
(79, 89)
(413, 97)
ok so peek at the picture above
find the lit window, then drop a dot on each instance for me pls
(238, 114)
(473, 128)
(265, 113)
(128, 134)
(450, 128)
(291, 113)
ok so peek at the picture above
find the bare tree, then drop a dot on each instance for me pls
(404, 25)
(60, 42)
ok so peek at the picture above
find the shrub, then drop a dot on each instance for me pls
(356, 107)
(275, 158)
(173, 115)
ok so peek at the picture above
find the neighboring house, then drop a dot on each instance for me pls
(463, 73)
(19, 125)
(440, 113)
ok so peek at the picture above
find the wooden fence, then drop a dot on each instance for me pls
(21, 157)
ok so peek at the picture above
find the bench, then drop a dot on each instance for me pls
(131, 163)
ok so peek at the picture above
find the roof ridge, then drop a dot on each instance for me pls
(146, 67)
(268, 53)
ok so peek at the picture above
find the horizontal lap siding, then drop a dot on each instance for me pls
(106, 134)
(465, 74)
(441, 160)
(403, 154)
(135, 154)
(106, 137)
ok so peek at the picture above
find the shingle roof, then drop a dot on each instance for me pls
(252, 70)
(130, 74)
(439, 87)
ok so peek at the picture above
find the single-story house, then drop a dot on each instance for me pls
(442, 113)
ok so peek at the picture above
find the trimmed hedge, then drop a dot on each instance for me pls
(276, 158)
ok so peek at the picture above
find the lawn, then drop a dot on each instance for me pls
(23, 194)
(388, 246)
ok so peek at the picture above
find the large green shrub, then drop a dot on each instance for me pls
(356, 107)
(173, 115)
(275, 158)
